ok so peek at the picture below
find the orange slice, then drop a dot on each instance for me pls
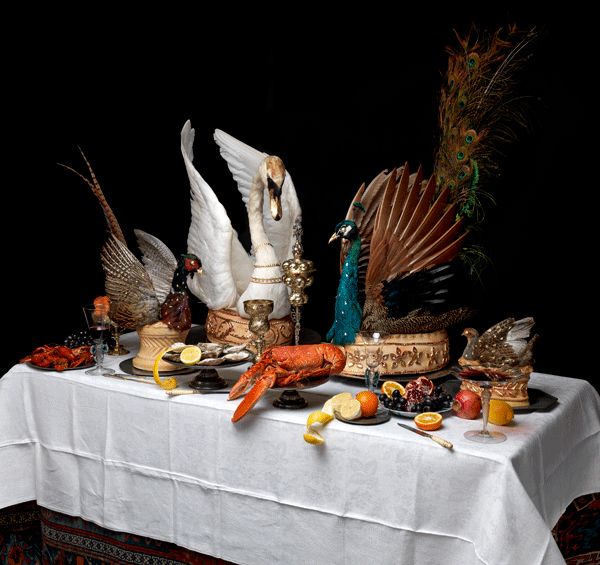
(388, 388)
(428, 421)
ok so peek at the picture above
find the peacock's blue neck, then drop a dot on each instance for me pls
(348, 312)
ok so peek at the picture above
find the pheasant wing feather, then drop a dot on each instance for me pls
(243, 162)
(211, 237)
(127, 281)
(159, 261)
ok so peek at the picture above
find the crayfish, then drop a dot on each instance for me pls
(59, 357)
(282, 366)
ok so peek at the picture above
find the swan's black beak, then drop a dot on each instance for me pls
(275, 199)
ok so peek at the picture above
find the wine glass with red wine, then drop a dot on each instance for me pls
(98, 321)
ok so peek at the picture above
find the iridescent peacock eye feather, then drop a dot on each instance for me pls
(469, 138)
(460, 155)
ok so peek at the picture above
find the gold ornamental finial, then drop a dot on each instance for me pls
(297, 276)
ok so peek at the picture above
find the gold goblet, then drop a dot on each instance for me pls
(117, 310)
(259, 325)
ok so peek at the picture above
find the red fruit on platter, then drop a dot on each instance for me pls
(467, 404)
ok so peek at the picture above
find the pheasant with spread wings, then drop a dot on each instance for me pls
(232, 274)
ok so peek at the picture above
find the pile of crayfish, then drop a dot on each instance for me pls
(60, 357)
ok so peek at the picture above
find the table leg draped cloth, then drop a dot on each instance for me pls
(129, 458)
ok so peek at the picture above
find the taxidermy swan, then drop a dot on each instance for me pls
(231, 274)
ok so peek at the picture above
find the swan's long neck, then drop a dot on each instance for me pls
(263, 250)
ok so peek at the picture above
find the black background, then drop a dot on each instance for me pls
(339, 97)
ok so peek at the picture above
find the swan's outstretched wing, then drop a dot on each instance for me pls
(212, 239)
(243, 162)
(159, 261)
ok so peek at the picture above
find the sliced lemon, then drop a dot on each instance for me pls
(169, 383)
(314, 437)
(335, 402)
(350, 410)
(388, 388)
(191, 355)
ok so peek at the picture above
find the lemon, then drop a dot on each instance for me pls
(501, 412)
(350, 410)
(388, 388)
(191, 355)
(312, 436)
(335, 402)
(318, 419)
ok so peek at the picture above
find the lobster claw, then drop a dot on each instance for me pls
(262, 384)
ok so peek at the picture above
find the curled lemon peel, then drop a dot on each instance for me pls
(169, 383)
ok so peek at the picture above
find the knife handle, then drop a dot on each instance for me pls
(441, 441)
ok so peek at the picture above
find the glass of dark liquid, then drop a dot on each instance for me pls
(98, 321)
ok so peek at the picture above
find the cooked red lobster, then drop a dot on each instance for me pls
(282, 366)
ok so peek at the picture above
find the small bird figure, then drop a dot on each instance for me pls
(503, 345)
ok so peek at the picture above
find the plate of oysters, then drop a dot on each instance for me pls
(212, 355)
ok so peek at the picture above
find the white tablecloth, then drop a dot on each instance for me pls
(130, 458)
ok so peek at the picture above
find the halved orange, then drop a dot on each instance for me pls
(388, 388)
(428, 421)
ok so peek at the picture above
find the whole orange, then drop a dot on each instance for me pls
(368, 403)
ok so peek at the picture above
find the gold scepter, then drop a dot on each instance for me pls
(297, 276)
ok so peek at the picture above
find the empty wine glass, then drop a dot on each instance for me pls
(370, 346)
(98, 321)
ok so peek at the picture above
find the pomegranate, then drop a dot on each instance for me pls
(467, 404)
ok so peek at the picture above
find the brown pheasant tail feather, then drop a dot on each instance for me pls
(111, 219)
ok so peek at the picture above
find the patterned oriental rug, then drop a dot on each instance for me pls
(32, 535)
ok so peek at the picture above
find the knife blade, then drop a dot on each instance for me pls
(182, 392)
(439, 440)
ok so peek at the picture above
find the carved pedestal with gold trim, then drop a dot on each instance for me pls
(227, 326)
(514, 392)
(154, 339)
(404, 354)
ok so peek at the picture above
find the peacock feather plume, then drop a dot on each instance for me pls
(408, 245)
(478, 109)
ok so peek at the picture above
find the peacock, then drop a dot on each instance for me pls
(148, 291)
(406, 240)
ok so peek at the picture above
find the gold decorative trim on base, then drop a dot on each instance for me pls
(227, 326)
(514, 392)
(404, 354)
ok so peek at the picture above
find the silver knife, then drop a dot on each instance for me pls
(182, 392)
(439, 440)
(128, 378)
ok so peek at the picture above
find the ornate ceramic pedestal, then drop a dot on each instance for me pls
(228, 326)
(513, 392)
(404, 355)
(154, 339)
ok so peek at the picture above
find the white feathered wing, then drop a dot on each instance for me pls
(227, 266)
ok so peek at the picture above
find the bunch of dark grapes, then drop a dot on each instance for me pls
(434, 402)
(78, 339)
